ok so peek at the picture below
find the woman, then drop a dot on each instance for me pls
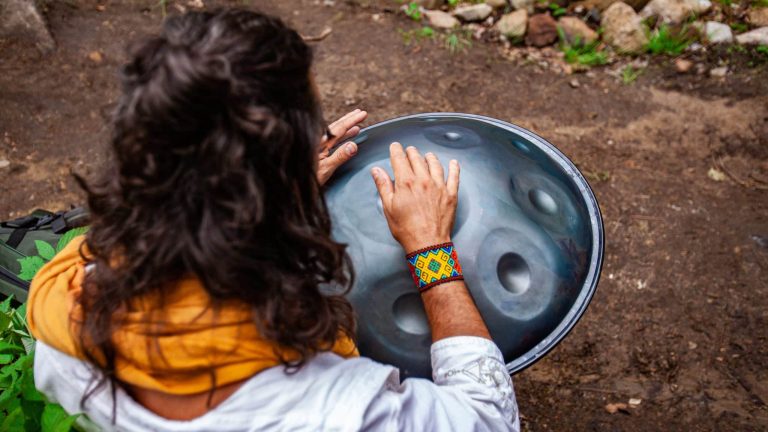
(194, 302)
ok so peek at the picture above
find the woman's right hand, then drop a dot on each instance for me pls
(421, 205)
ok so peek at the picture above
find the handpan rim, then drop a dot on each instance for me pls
(595, 220)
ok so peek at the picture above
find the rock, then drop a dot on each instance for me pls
(718, 72)
(496, 4)
(512, 25)
(624, 29)
(4, 163)
(475, 12)
(577, 30)
(440, 19)
(430, 4)
(758, 36)
(95, 57)
(542, 30)
(635, 402)
(528, 5)
(20, 19)
(683, 65)
(574, 83)
(674, 11)
(758, 16)
(613, 408)
(715, 32)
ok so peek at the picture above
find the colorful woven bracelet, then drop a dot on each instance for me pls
(434, 265)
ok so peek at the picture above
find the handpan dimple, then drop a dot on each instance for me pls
(409, 314)
(528, 234)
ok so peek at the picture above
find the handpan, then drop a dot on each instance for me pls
(528, 232)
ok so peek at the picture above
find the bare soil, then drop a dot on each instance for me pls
(680, 318)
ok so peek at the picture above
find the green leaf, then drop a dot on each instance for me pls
(30, 266)
(55, 419)
(5, 321)
(6, 358)
(28, 389)
(68, 236)
(14, 422)
(5, 306)
(6, 347)
(45, 250)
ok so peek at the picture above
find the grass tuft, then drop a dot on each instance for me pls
(579, 53)
(666, 41)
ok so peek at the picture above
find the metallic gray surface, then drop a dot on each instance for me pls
(528, 233)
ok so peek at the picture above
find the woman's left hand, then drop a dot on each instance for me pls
(342, 129)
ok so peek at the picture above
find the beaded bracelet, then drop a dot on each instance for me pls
(434, 265)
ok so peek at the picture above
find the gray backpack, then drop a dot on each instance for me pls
(27, 243)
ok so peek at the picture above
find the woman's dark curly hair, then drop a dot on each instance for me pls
(213, 175)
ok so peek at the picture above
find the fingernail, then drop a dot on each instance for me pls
(375, 172)
(351, 149)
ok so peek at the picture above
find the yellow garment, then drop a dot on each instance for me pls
(170, 348)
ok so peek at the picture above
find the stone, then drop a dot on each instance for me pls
(440, 19)
(758, 16)
(718, 72)
(95, 57)
(574, 83)
(475, 12)
(542, 30)
(21, 19)
(683, 65)
(758, 36)
(623, 29)
(430, 4)
(577, 30)
(4, 163)
(513, 24)
(496, 4)
(715, 32)
(674, 11)
(528, 5)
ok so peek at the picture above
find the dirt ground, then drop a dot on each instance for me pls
(680, 318)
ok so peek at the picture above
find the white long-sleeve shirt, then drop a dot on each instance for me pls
(472, 391)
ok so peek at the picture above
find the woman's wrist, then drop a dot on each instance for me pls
(415, 243)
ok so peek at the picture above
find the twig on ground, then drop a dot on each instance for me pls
(317, 38)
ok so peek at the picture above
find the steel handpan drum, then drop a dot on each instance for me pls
(528, 233)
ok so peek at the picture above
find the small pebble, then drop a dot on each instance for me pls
(95, 57)
(4, 163)
(683, 65)
(574, 83)
(718, 72)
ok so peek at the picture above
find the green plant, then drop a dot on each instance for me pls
(727, 3)
(453, 3)
(416, 35)
(163, 5)
(739, 27)
(580, 53)
(629, 74)
(458, 40)
(760, 3)
(413, 11)
(22, 407)
(762, 49)
(31, 264)
(666, 41)
(557, 10)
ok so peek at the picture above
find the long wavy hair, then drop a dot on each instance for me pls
(213, 174)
